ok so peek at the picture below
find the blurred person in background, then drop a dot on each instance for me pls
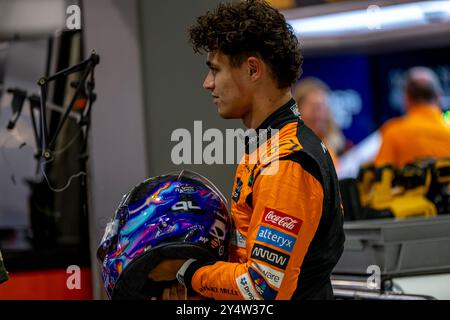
(422, 132)
(312, 96)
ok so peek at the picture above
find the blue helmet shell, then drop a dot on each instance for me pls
(172, 216)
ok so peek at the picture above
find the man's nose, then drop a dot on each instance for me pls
(208, 84)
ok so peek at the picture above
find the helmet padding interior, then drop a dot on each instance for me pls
(134, 284)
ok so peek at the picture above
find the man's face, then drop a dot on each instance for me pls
(229, 86)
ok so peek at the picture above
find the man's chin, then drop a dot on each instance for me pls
(226, 115)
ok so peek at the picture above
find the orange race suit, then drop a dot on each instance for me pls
(288, 223)
(422, 132)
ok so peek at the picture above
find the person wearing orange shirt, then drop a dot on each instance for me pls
(422, 132)
(286, 206)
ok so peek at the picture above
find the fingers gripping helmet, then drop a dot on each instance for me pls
(174, 216)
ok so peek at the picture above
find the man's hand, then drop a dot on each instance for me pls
(179, 292)
(175, 292)
(166, 270)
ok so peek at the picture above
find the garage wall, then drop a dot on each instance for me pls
(173, 77)
(118, 147)
(25, 62)
(31, 18)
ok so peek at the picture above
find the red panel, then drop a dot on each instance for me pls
(46, 285)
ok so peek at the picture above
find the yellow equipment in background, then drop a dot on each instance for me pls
(366, 178)
(442, 171)
(418, 189)
(439, 192)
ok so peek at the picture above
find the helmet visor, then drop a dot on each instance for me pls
(203, 180)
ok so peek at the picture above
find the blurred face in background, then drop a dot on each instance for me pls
(315, 112)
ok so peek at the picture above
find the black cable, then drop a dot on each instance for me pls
(43, 116)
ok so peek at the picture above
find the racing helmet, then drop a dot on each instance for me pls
(173, 216)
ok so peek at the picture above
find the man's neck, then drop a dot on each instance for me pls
(264, 105)
(414, 105)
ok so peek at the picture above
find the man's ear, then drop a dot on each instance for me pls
(255, 67)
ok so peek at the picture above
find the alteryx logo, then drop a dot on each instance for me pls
(276, 238)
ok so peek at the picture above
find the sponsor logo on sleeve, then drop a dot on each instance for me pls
(282, 220)
(237, 190)
(245, 287)
(240, 240)
(261, 285)
(276, 238)
(273, 277)
(217, 290)
(270, 256)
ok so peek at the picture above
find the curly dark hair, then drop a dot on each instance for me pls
(248, 28)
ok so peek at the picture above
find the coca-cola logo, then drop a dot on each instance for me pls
(286, 222)
(282, 220)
